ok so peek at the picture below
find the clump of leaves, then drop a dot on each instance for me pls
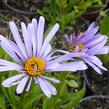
(66, 12)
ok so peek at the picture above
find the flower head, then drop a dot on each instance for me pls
(91, 43)
(34, 57)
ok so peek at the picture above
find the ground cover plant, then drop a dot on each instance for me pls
(54, 54)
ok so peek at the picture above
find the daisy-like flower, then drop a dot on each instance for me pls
(34, 57)
(91, 43)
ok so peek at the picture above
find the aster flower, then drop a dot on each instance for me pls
(91, 43)
(34, 56)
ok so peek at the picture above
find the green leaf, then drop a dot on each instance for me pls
(75, 99)
(59, 3)
(51, 102)
(73, 83)
(9, 93)
(70, 5)
(85, 5)
(104, 28)
(32, 97)
(2, 102)
(103, 13)
(2, 53)
(47, 102)
(29, 103)
(5, 92)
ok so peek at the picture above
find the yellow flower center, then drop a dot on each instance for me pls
(81, 33)
(81, 45)
(77, 48)
(34, 66)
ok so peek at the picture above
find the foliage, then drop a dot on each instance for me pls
(66, 12)
(104, 29)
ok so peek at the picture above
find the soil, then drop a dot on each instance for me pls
(97, 91)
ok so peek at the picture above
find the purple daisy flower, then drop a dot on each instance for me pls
(91, 43)
(34, 57)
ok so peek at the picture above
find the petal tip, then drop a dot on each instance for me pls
(34, 20)
(11, 23)
(57, 25)
(42, 18)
